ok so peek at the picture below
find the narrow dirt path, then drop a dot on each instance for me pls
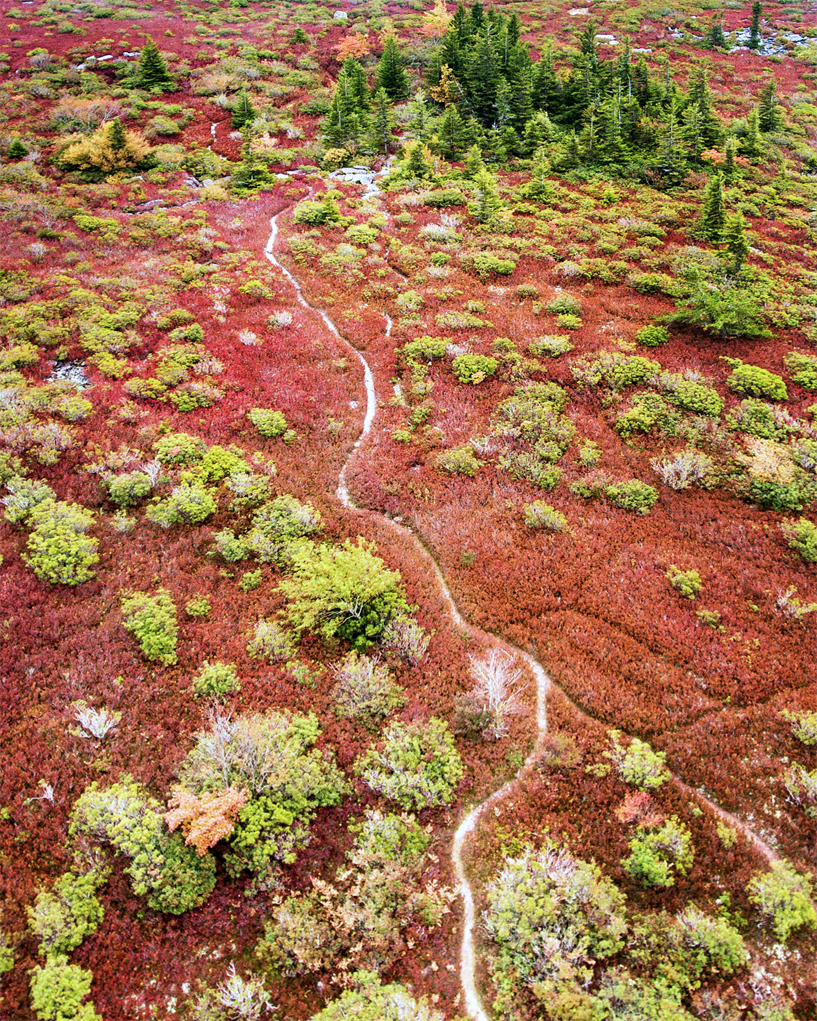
(544, 685)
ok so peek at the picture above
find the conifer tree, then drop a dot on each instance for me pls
(486, 202)
(244, 112)
(713, 217)
(117, 139)
(473, 162)
(416, 164)
(251, 175)
(451, 135)
(380, 133)
(737, 244)
(729, 166)
(482, 78)
(754, 28)
(715, 39)
(768, 113)
(538, 132)
(299, 36)
(17, 150)
(152, 72)
(546, 93)
(702, 129)
(419, 114)
(347, 122)
(752, 144)
(391, 71)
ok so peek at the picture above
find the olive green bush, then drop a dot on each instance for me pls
(58, 989)
(417, 766)
(688, 583)
(215, 680)
(783, 895)
(152, 621)
(756, 382)
(657, 853)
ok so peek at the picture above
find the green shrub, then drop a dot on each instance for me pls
(365, 689)
(271, 642)
(695, 397)
(65, 915)
(652, 335)
(172, 875)
(688, 583)
(58, 989)
(653, 283)
(632, 496)
(759, 419)
(360, 234)
(198, 606)
(187, 505)
(757, 382)
(532, 468)
(565, 304)
(317, 213)
(551, 915)
(424, 349)
(474, 369)
(459, 461)
(802, 369)
(58, 550)
(270, 755)
(802, 538)
(216, 679)
(539, 515)
(656, 852)
(647, 410)
(630, 370)
(784, 896)
(441, 198)
(152, 621)
(269, 423)
(567, 321)
(638, 764)
(486, 263)
(417, 766)
(803, 726)
(342, 592)
(279, 527)
(711, 943)
(179, 448)
(129, 489)
(368, 1000)
(550, 347)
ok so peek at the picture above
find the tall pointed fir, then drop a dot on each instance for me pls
(152, 72)
(244, 112)
(347, 122)
(737, 244)
(751, 143)
(452, 136)
(381, 138)
(117, 139)
(714, 38)
(713, 216)
(702, 129)
(391, 71)
(768, 111)
(546, 92)
(486, 202)
(754, 26)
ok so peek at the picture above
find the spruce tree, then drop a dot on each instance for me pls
(752, 144)
(17, 149)
(380, 133)
(347, 122)
(486, 202)
(737, 245)
(768, 113)
(538, 132)
(244, 112)
(117, 140)
(391, 71)
(754, 28)
(152, 72)
(299, 37)
(451, 134)
(702, 129)
(713, 218)
(546, 92)
(715, 39)
(729, 167)
(473, 162)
